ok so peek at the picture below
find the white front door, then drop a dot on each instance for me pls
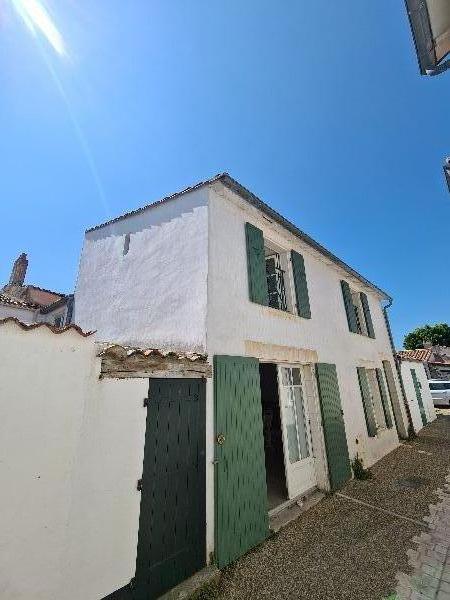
(298, 455)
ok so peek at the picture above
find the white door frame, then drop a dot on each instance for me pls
(300, 474)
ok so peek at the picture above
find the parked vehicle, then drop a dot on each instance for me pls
(440, 392)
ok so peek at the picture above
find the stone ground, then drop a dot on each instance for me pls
(352, 546)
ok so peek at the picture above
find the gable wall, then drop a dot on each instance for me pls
(155, 295)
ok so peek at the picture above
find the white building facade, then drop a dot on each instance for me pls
(417, 390)
(304, 375)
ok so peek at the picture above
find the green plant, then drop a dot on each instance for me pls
(359, 471)
(437, 335)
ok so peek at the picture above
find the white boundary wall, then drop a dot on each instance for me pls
(406, 366)
(71, 450)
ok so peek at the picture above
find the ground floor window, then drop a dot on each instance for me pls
(376, 399)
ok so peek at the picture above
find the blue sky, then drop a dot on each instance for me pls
(317, 107)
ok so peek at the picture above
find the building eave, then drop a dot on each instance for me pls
(252, 199)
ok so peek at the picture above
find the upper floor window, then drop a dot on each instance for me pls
(276, 276)
(357, 309)
(277, 279)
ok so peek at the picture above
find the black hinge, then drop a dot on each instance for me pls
(139, 485)
(146, 401)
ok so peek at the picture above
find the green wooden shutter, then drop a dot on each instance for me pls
(384, 399)
(333, 425)
(301, 285)
(423, 414)
(256, 265)
(240, 476)
(367, 315)
(349, 307)
(395, 400)
(367, 402)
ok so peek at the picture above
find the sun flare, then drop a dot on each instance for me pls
(37, 18)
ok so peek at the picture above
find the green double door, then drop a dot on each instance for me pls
(240, 477)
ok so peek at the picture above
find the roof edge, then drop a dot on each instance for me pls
(52, 328)
(235, 186)
(252, 199)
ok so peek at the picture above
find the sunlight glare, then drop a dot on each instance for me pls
(37, 18)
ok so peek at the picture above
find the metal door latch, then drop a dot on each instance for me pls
(221, 439)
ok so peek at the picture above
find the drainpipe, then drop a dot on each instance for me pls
(411, 432)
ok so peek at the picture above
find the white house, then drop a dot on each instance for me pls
(304, 373)
(417, 390)
(33, 304)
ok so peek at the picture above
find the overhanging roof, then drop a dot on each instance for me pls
(252, 199)
(430, 25)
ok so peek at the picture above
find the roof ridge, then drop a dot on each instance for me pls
(190, 188)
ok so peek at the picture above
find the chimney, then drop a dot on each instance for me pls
(19, 270)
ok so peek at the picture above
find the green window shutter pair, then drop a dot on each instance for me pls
(367, 402)
(350, 310)
(257, 277)
(384, 399)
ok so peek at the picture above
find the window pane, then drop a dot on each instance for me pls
(291, 427)
(285, 376)
(301, 423)
(296, 376)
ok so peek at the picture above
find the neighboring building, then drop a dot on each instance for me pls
(417, 390)
(32, 304)
(304, 374)
(436, 360)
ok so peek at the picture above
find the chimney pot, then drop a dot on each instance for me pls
(19, 270)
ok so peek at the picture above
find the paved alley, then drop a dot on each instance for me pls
(353, 545)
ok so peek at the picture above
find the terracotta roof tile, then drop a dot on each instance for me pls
(421, 354)
(126, 351)
(52, 328)
(10, 301)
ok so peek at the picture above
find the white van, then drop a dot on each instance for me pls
(440, 392)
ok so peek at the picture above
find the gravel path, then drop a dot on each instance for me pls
(341, 549)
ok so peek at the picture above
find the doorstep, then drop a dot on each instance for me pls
(187, 588)
(282, 516)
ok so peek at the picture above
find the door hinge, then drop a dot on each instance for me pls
(139, 485)
(146, 401)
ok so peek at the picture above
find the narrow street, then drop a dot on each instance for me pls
(353, 545)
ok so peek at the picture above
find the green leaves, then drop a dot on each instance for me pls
(437, 335)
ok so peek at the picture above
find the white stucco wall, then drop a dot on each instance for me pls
(233, 320)
(71, 450)
(410, 391)
(23, 314)
(155, 295)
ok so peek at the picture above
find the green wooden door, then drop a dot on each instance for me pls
(172, 522)
(423, 414)
(241, 491)
(333, 425)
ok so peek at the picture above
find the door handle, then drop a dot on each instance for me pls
(220, 439)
